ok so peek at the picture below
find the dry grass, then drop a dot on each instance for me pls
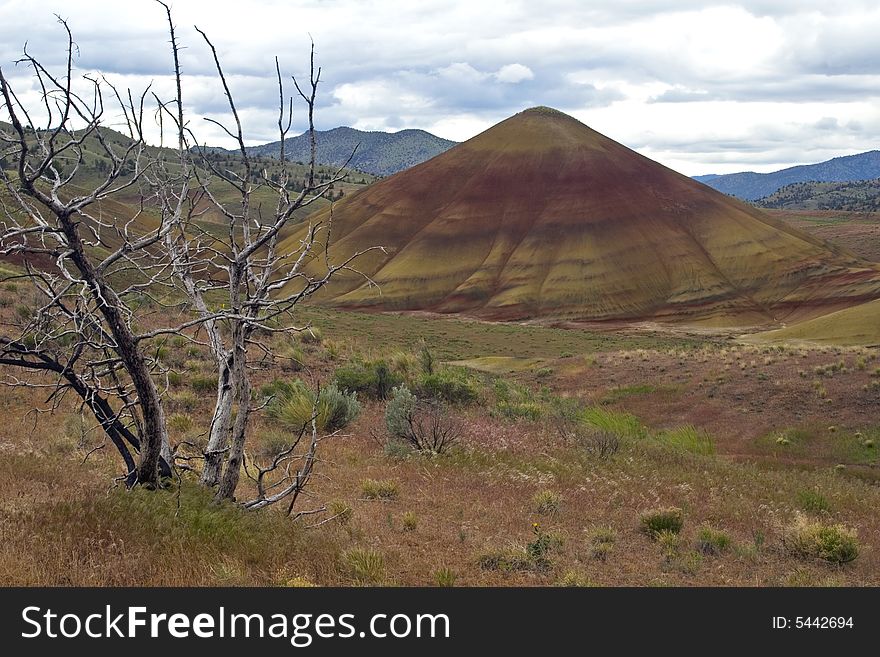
(60, 526)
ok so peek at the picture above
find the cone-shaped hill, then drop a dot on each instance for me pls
(540, 216)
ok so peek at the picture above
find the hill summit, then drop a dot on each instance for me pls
(542, 217)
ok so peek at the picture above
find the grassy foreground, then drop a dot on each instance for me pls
(736, 465)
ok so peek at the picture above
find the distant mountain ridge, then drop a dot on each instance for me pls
(752, 186)
(378, 153)
(853, 196)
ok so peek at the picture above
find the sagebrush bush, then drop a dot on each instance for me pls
(816, 540)
(662, 520)
(426, 426)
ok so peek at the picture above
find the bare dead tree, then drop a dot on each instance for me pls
(90, 268)
(75, 258)
(261, 282)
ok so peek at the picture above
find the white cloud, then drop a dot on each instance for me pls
(514, 74)
(702, 85)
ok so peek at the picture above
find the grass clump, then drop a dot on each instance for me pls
(340, 511)
(444, 577)
(384, 489)
(410, 521)
(618, 423)
(601, 542)
(311, 335)
(366, 566)
(180, 422)
(689, 439)
(813, 500)
(294, 404)
(505, 560)
(712, 541)
(815, 540)
(514, 401)
(572, 578)
(547, 502)
(669, 520)
(203, 383)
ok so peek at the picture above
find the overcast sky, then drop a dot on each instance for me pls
(701, 86)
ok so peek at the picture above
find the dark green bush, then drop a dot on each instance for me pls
(371, 379)
(662, 520)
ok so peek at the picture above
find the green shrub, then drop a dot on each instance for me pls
(813, 500)
(689, 439)
(274, 442)
(366, 566)
(815, 540)
(662, 520)
(547, 502)
(175, 379)
(449, 385)
(384, 489)
(294, 405)
(712, 541)
(372, 379)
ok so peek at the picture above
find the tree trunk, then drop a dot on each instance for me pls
(218, 442)
(155, 436)
(229, 481)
